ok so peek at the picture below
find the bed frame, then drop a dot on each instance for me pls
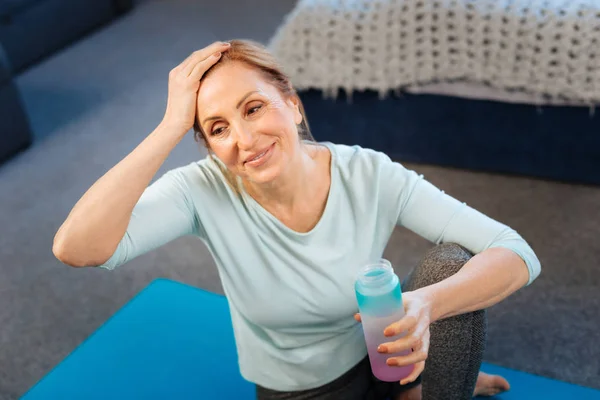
(552, 142)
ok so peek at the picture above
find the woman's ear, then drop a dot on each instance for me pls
(294, 102)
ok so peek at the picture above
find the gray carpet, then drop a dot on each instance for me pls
(92, 103)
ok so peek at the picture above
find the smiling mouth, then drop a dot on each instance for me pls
(258, 156)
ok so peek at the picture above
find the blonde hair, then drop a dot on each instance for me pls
(255, 55)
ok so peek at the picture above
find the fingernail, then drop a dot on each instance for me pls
(217, 55)
(382, 349)
(391, 362)
(226, 44)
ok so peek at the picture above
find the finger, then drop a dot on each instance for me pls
(413, 340)
(413, 343)
(412, 358)
(191, 69)
(357, 317)
(205, 52)
(417, 370)
(203, 66)
(202, 54)
(406, 343)
(406, 323)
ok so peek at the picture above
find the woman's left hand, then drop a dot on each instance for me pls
(415, 324)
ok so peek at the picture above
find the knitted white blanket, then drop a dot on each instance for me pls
(549, 49)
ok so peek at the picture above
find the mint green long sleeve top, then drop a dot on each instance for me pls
(291, 295)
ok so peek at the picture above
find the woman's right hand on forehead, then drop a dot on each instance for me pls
(184, 81)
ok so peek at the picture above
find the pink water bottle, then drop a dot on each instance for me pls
(379, 297)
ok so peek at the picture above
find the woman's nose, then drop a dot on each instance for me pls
(246, 138)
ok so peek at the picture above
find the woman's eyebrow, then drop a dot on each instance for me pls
(236, 107)
(244, 98)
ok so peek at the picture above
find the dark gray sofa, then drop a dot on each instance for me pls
(15, 134)
(31, 30)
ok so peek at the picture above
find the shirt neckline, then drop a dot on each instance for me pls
(328, 205)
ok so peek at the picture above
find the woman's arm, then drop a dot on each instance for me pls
(486, 279)
(166, 211)
(99, 220)
(503, 261)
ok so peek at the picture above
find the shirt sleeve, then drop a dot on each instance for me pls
(163, 213)
(440, 218)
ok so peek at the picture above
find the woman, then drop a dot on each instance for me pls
(289, 221)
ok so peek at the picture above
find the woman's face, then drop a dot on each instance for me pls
(247, 122)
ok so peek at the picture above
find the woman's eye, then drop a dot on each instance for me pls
(217, 131)
(253, 110)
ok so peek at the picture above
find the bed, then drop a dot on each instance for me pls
(493, 85)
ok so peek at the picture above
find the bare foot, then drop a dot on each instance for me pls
(490, 385)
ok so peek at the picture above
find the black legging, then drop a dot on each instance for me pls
(457, 343)
(455, 351)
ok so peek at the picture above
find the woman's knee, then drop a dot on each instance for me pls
(438, 263)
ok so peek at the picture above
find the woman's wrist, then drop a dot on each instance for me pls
(167, 127)
(429, 301)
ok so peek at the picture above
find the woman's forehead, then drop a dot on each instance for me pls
(234, 76)
(229, 83)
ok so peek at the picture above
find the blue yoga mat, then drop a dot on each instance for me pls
(174, 341)
(532, 387)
